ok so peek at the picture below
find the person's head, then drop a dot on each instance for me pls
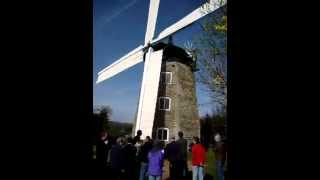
(196, 140)
(139, 133)
(130, 140)
(120, 141)
(180, 134)
(103, 135)
(157, 145)
(217, 138)
(173, 139)
(148, 139)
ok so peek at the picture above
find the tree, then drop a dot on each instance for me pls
(210, 125)
(119, 128)
(206, 130)
(210, 51)
(101, 117)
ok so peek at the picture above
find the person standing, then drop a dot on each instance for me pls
(143, 157)
(182, 167)
(220, 156)
(117, 160)
(198, 159)
(138, 146)
(130, 159)
(171, 151)
(137, 137)
(156, 157)
(103, 147)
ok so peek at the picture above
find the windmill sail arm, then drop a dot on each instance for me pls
(149, 93)
(152, 19)
(132, 58)
(195, 15)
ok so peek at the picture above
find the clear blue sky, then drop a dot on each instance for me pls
(118, 27)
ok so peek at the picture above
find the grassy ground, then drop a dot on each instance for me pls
(211, 167)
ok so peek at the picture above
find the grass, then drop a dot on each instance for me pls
(211, 165)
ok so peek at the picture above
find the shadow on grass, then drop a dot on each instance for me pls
(206, 176)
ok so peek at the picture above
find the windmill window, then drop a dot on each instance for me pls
(164, 103)
(166, 77)
(163, 134)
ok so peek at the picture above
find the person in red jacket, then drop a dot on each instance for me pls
(198, 159)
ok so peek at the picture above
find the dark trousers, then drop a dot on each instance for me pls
(181, 169)
(130, 173)
(116, 174)
(173, 171)
(103, 170)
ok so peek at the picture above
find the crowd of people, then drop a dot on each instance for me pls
(136, 159)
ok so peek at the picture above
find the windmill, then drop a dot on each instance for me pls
(152, 61)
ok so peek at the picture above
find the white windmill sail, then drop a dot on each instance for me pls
(195, 15)
(149, 89)
(152, 19)
(149, 93)
(127, 61)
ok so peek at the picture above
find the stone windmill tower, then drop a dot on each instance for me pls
(176, 108)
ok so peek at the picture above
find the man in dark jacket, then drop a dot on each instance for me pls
(137, 137)
(117, 160)
(130, 159)
(171, 151)
(182, 167)
(143, 157)
(104, 145)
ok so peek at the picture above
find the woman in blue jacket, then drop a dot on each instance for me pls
(156, 157)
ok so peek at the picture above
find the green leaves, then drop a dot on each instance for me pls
(221, 27)
(211, 53)
(101, 117)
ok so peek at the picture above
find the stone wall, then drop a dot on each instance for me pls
(183, 115)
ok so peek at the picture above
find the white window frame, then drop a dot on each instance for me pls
(169, 103)
(168, 135)
(167, 72)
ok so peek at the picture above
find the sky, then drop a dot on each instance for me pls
(119, 26)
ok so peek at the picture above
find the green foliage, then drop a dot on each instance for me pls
(211, 49)
(221, 27)
(101, 117)
(210, 125)
(103, 123)
(119, 129)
